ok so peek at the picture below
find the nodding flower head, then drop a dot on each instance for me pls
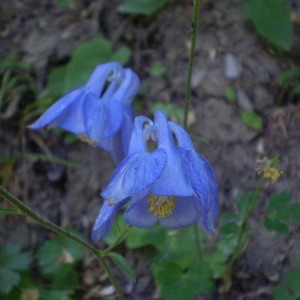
(164, 180)
(99, 112)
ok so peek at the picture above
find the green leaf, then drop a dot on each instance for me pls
(56, 81)
(177, 284)
(156, 236)
(122, 55)
(9, 211)
(230, 228)
(286, 77)
(243, 202)
(56, 253)
(65, 278)
(278, 202)
(55, 294)
(230, 94)
(229, 217)
(275, 225)
(12, 260)
(291, 213)
(292, 280)
(171, 110)
(178, 248)
(157, 69)
(252, 120)
(8, 279)
(123, 265)
(295, 90)
(272, 20)
(280, 293)
(84, 59)
(143, 7)
(11, 257)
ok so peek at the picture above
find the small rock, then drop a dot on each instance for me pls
(243, 100)
(232, 67)
(197, 77)
(107, 291)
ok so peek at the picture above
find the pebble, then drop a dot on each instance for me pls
(232, 67)
(243, 100)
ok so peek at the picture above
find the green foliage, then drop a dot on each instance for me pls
(280, 211)
(9, 211)
(171, 110)
(157, 69)
(15, 79)
(177, 283)
(83, 61)
(12, 261)
(252, 119)
(142, 7)
(290, 81)
(57, 254)
(272, 20)
(291, 288)
(230, 94)
(56, 259)
(122, 264)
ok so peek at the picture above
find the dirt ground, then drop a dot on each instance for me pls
(43, 35)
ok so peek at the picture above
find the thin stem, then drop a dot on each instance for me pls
(116, 242)
(191, 61)
(248, 213)
(45, 223)
(198, 243)
(195, 22)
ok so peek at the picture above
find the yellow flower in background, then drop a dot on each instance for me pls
(269, 168)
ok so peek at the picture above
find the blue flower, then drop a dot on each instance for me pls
(172, 185)
(99, 112)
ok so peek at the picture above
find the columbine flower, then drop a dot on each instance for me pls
(99, 112)
(172, 185)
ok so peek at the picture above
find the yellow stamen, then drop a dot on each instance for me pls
(85, 139)
(162, 206)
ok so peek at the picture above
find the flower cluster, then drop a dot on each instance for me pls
(159, 174)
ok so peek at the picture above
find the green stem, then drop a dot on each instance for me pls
(195, 22)
(198, 243)
(116, 242)
(30, 213)
(249, 211)
(191, 61)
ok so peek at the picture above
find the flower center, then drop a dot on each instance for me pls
(162, 206)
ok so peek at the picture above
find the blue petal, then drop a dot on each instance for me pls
(183, 215)
(127, 127)
(98, 78)
(128, 88)
(175, 178)
(102, 119)
(135, 173)
(204, 185)
(138, 214)
(137, 140)
(119, 143)
(105, 220)
(61, 108)
(182, 138)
